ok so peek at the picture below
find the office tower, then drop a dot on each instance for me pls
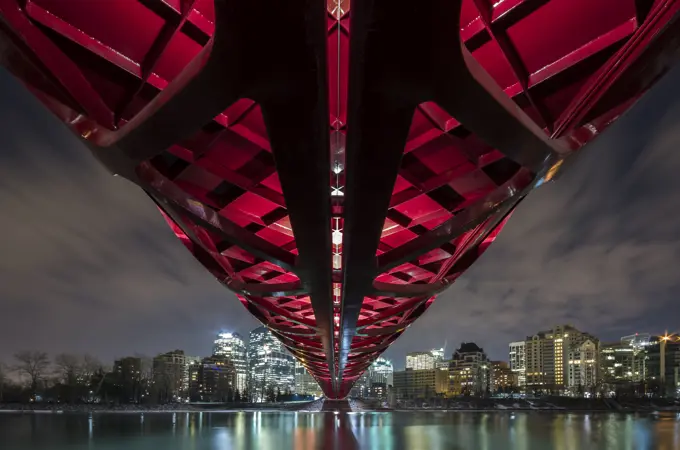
(232, 346)
(437, 354)
(271, 367)
(623, 364)
(420, 361)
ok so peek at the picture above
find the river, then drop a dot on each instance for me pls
(329, 431)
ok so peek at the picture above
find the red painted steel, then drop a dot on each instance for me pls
(572, 66)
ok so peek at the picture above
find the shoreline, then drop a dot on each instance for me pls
(370, 411)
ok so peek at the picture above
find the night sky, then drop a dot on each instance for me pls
(88, 265)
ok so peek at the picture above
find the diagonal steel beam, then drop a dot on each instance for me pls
(502, 200)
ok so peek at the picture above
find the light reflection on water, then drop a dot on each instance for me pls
(328, 431)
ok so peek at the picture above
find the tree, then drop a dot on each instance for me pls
(90, 367)
(237, 396)
(427, 394)
(270, 394)
(32, 364)
(3, 376)
(278, 394)
(69, 372)
(145, 379)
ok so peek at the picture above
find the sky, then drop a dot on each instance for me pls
(88, 265)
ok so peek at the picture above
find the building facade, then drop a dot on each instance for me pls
(305, 384)
(623, 365)
(469, 371)
(380, 378)
(420, 361)
(271, 368)
(583, 363)
(437, 354)
(212, 380)
(189, 361)
(128, 377)
(663, 366)
(517, 361)
(503, 379)
(412, 384)
(360, 388)
(169, 376)
(547, 358)
(232, 346)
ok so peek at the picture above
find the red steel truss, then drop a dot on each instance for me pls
(337, 167)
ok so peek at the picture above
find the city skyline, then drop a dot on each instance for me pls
(88, 266)
(398, 362)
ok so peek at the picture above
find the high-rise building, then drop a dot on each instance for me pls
(623, 364)
(189, 361)
(271, 367)
(212, 380)
(583, 366)
(305, 384)
(469, 371)
(382, 371)
(232, 346)
(375, 381)
(129, 368)
(547, 356)
(437, 354)
(420, 361)
(360, 388)
(127, 375)
(380, 378)
(517, 361)
(503, 379)
(169, 375)
(412, 384)
(663, 366)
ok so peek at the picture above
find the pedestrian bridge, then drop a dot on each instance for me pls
(336, 164)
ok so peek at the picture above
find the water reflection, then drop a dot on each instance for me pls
(328, 431)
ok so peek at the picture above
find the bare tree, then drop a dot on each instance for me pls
(3, 376)
(91, 366)
(145, 380)
(33, 364)
(68, 367)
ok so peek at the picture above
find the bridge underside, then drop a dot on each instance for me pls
(335, 165)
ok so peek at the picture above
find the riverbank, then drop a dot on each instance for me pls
(552, 404)
(181, 408)
(546, 404)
